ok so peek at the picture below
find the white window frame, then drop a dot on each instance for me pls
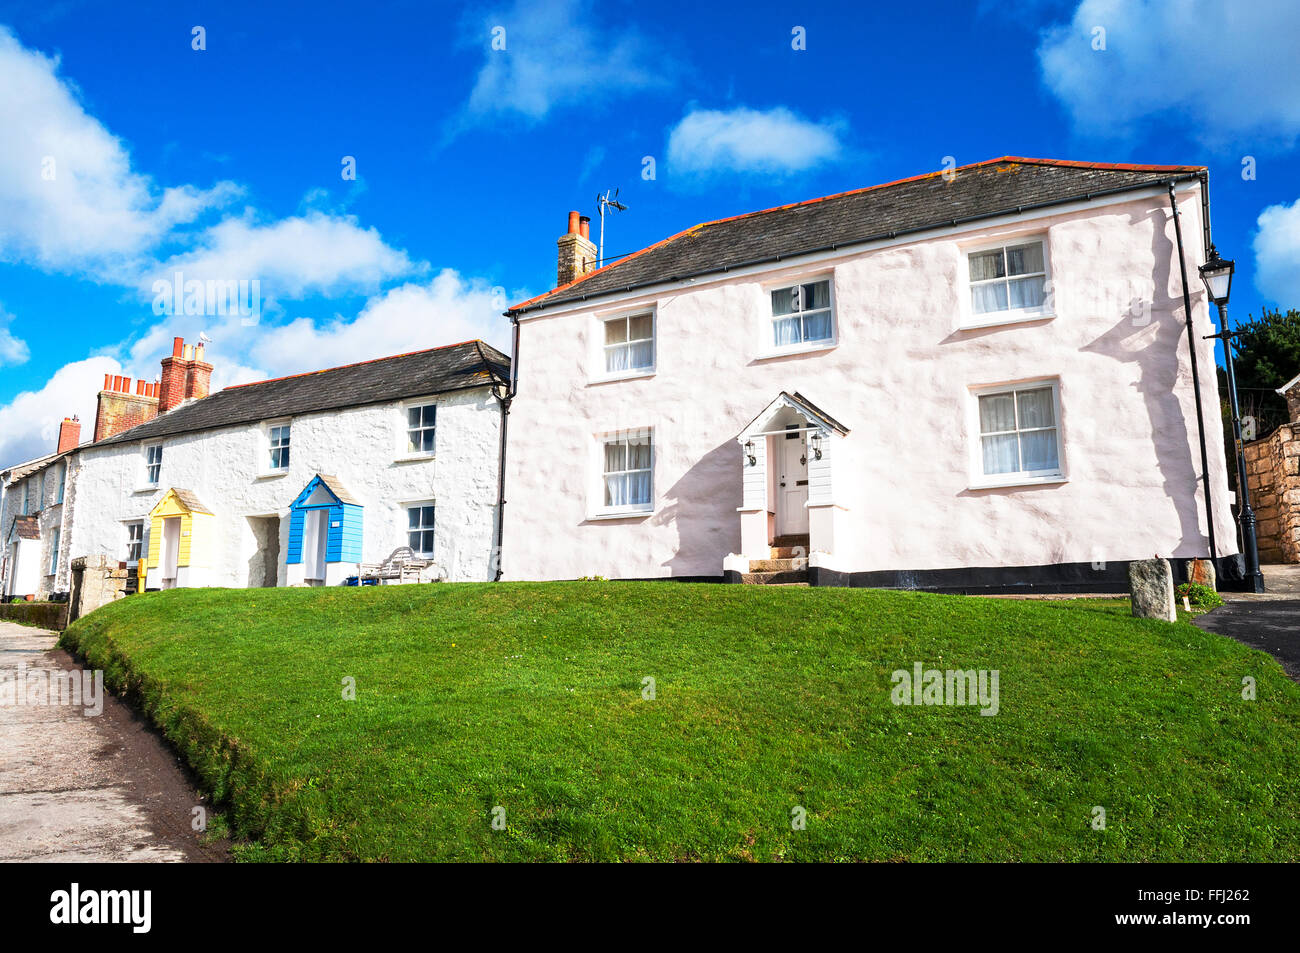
(148, 448)
(409, 505)
(767, 343)
(54, 551)
(978, 479)
(969, 320)
(127, 524)
(597, 509)
(601, 349)
(402, 449)
(269, 446)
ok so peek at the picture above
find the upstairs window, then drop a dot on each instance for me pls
(629, 344)
(153, 464)
(63, 479)
(1019, 433)
(801, 314)
(419, 533)
(54, 551)
(420, 425)
(280, 447)
(134, 541)
(1009, 278)
(627, 471)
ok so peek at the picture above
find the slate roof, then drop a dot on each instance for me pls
(335, 486)
(1008, 185)
(190, 500)
(434, 371)
(20, 470)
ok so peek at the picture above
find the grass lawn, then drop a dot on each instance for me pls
(529, 697)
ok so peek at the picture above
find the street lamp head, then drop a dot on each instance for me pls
(500, 390)
(1217, 275)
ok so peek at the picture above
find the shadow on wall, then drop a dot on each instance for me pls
(1153, 344)
(702, 506)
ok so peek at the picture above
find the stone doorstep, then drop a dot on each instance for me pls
(777, 565)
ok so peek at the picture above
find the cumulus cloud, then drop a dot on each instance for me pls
(1227, 69)
(13, 350)
(772, 142)
(449, 309)
(555, 55)
(69, 199)
(29, 424)
(1277, 254)
(314, 253)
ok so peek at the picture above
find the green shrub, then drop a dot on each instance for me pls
(1200, 596)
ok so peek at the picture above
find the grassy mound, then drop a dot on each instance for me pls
(529, 698)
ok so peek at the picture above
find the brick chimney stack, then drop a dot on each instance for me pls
(69, 434)
(185, 376)
(118, 409)
(577, 253)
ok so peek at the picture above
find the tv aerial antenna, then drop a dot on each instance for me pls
(606, 201)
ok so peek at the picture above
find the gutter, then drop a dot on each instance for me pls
(511, 387)
(882, 236)
(1191, 348)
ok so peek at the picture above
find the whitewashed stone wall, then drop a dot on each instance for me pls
(362, 446)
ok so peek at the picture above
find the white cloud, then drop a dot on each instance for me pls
(773, 142)
(13, 350)
(1224, 67)
(29, 424)
(1277, 254)
(556, 55)
(412, 317)
(314, 253)
(69, 199)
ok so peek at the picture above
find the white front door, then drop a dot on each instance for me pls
(314, 537)
(169, 558)
(791, 485)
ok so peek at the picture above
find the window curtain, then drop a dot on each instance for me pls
(1001, 451)
(628, 470)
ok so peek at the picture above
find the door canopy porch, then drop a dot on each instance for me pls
(193, 539)
(761, 443)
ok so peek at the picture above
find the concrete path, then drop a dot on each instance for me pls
(79, 788)
(1272, 626)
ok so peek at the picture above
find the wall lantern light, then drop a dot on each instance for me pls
(749, 453)
(815, 445)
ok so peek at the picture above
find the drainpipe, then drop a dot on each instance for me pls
(504, 401)
(1196, 378)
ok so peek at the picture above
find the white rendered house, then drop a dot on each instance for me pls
(298, 480)
(972, 380)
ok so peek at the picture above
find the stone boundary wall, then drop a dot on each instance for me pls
(48, 615)
(1273, 473)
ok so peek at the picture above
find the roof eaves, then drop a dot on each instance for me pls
(537, 304)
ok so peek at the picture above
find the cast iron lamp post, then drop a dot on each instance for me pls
(1217, 275)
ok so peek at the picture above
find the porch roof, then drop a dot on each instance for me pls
(800, 405)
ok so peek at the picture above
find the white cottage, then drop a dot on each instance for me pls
(301, 479)
(973, 380)
(33, 522)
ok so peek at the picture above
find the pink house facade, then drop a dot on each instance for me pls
(971, 381)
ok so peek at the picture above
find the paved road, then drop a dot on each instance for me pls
(78, 788)
(1272, 626)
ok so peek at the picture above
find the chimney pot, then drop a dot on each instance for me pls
(178, 346)
(108, 382)
(574, 219)
(584, 227)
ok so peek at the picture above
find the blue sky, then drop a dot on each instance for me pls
(226, 162)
